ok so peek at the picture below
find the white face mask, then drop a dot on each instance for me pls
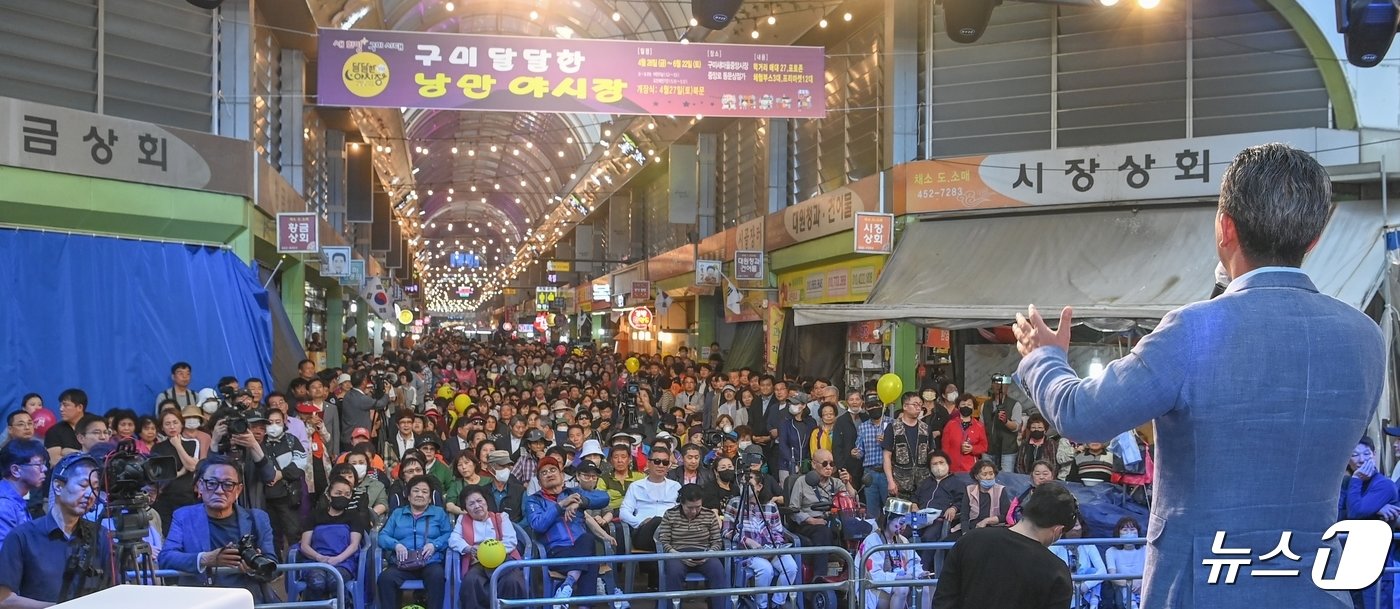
(503, 475)
(794, 408)
(951, 395)
(728, 428)
(210, 406)
(275, 430)
(360, 469)
(939, 470)
(192, 423)
(744, 444)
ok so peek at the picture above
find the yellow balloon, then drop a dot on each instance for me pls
(632, 364)
(889, 388)
(491, 553)
(445, 392)
(461, 403)
(405, 317)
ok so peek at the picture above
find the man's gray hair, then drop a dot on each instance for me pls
(1280, 199)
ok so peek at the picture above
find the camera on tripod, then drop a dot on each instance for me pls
(126, 473)
(382, 381)
(259, 565)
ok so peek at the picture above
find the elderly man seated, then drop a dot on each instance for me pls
(819, 486)
(556, 514)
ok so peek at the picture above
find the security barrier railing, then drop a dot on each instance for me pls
(677, 595)
(335, 602)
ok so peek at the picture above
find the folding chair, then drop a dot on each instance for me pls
(359, 589)
(691, 577)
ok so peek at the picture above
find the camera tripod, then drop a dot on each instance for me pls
(132, 556)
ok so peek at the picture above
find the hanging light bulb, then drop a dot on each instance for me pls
(534, 15)
(753, 34)
(822, 23)
(616, 16)
(772, 20)
(846, 17)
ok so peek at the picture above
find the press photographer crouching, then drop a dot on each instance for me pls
(34, 550)
(221, 533)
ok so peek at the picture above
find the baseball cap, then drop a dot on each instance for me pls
(359, 432)
(534, 435)
(498, 457)
(549, 461)
(307, 408)
(588, 467)
(1392, 431)
(343, 378)
(430, 441)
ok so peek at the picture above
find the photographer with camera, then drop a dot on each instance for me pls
(221, 533)
(34, 550)
(234, 438)
(369, 395)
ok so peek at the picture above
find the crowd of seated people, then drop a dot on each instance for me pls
(540, 447)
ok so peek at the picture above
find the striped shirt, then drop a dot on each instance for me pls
(678, 533)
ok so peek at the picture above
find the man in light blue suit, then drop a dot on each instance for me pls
(1258, 397)
(205, 535)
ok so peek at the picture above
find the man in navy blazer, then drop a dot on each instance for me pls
(1258, 397)
(200, 534)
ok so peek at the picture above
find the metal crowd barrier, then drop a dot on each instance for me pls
(337, 602)
(861, 582)
(677, 595)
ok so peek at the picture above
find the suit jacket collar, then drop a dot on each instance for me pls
(1272, 279)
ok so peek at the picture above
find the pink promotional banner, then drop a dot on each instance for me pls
(393, 69)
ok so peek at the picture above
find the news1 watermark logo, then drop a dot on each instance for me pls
(1363, 557)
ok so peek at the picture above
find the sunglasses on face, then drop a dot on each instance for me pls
(661, 461)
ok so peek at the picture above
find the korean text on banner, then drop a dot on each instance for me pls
(1165, 169)
(393, 69)
(298, 233)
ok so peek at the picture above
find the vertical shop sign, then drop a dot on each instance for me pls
(297, 233)
(748, 265)
(874, 233)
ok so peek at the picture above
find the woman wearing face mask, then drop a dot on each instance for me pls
(284, 496)
(331, 534)
(369, 489)
(187, 449)
(718, 491)
(964, 438)
(1038, 444)
(986, 503)
(1126, 558)
(794, 435)
(893, 565)
(1082, 560)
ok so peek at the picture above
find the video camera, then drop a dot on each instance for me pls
(125, 472)
(382, 380)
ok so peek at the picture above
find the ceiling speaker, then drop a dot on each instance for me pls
(714, 14)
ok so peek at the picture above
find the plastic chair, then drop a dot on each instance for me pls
(450, 569)
(745, 575)
(691, 577)
(357, 589)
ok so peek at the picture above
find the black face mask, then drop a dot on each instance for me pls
(965, 411)
(340, 503)
(726, 476)
(1037, 435)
